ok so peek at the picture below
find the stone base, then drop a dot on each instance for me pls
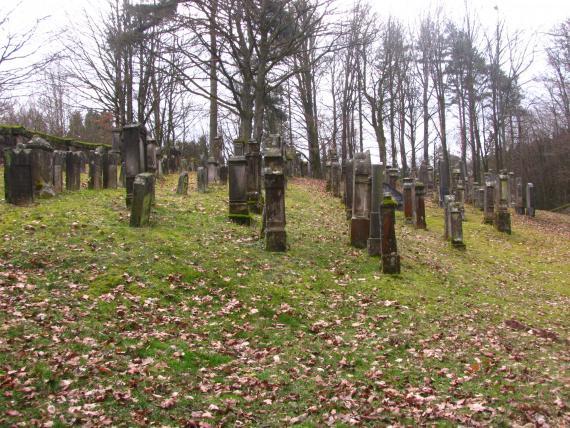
(359, 232)
(458, 244)
(391, 263)
(374, 247)
(503, 221)
(239, 213)
(275, 240)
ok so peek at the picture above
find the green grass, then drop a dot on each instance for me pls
(191, 320)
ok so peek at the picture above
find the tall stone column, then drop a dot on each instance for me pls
(420, 207)
(253, 158)
(408, 202)
(360, 222)
(73, 171)
(530, 200)
(134, 155)
(18, 182)
(460, 198)
(390, 256)
(237, 177)
(275, 234)
(503, 216)
(375, 234)
(489, 204)
(349, 179)
(443, 180)
(95, 181)
(448, 201)
(519, 199)
(512, 190)
(431, 178)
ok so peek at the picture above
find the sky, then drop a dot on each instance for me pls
(532, 17)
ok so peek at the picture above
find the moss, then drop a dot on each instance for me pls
(16, 130)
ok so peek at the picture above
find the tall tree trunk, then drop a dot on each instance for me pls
(213, 77)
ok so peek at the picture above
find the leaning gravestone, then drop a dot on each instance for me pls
(375, 235)
(360, 222)
(18, 183)
(390, 256)
(73, 171)
(143, 188)
(274, 213)
(182, 188)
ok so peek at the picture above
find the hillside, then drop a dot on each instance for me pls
(190, 322)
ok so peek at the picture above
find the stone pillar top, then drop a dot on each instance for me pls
(38, 142)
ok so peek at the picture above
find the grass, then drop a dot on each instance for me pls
(191, 321)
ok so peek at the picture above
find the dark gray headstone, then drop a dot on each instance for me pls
(143, 189)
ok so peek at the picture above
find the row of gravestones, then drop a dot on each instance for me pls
(35, 170)
(369, 193)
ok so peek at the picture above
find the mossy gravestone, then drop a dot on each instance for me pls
(374, 239)
(360, 222)
(143, 186)
(18, 183)
(73, 171)
(390, 256)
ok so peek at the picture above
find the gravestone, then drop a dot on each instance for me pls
(143, 189)
(95, 181)
(530, 200)
(481, 198)
(460, 198)
(73, 171)
(408, 202)
(456, 226)
(349, 179)
(393, 175)
(423, 172)
(448, 200)
(390, 256)
(223, 175)
(375, 234)
(443, 180)
(342, 184)
(502, 215)
(152, 156)
(512, 190)
(18, 182)
(237, 177)
(202, 178)
(182, 188)
(116, 142)
(335, 179)
(360, 221)
(489, 203)
(274, 213)
(59, 158)
(134, 155)
(213, 172)
(519, 199)
(111, 160)
(420, 207)
(475, 194)
(42, 167)
(431, 179)
(253, 158)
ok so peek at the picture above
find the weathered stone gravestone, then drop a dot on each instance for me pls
(393, 176)
(489, 203)
(59, 158)
(335, 177)
(42, 167)
(475, 194)
(503, 216)
(419, 206)
(134, 155)
(349, 179)
(460, 199)
(360, 222)
(95, 181)
(182, 188)
(111, 160)
(212, 170)
(202, 179)
(448, 200)
(408, 201)
(18, 182)
(456, 225)
(73, 171)
(481, 198)
(275, 234)
(443, 167)
(530, 200)
(512, 190)
(253, 159)
(519, 198)
(143, 189)
(237, 177)
(152, 157)
(375, 234)
(390, 256)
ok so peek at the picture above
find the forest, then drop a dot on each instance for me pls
(322, 76)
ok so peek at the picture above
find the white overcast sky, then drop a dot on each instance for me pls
(533, 17)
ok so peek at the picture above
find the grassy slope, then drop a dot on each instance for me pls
(191, 320)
